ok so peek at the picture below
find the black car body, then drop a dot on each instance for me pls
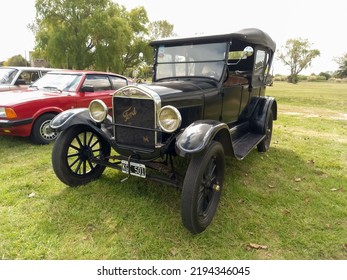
(207, 101)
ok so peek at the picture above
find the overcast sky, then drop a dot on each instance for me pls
(323, 23)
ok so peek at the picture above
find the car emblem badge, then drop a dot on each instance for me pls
(145, 139)
(129, 113)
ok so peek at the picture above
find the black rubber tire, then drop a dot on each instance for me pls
(202, 188)
(72, 152)
(264, 145)
(41, 132)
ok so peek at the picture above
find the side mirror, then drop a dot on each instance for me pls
(20, 82)
(248, 51)
(87, 88)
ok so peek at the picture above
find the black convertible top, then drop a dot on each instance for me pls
(250, 35)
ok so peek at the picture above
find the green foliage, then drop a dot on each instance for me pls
(160, 29)
(139, 54)
(315, 78)
(291, 200)
(17, 60)
(325, 74)
(297, 55)
(342, 71)
(82, 34)
(100, 35)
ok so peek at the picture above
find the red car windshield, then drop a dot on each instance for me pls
(58, 81)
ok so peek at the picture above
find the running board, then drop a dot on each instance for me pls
(244, 144)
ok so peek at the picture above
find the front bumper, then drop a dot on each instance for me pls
(16, 127)
(9, 124)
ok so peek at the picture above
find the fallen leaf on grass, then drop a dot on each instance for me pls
(90, 228)
(173, 251)
(257, 246)
(297, 179)
(31, 195)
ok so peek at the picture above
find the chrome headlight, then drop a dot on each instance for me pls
(2, 112)
(6, 112)
(98, 110)
(169, 119)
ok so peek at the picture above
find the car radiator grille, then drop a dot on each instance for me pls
(134, 123)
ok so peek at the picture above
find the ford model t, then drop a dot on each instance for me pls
(206, 101)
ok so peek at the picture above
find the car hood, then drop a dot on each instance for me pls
(178, 90)
(11, 98)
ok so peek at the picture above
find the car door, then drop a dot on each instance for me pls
(95, 86)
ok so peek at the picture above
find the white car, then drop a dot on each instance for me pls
(20, 77)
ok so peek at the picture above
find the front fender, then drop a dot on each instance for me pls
(197, 136)
(80, 116)
(71, 117)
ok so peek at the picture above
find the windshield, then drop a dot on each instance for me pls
(7, 75)
(205, 60)
(58, 81)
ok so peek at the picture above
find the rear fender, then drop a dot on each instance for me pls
(199, 135)
(261, 113)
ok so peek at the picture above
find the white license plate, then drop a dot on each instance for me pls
(136, 169)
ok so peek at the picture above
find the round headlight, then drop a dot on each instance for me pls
(169, 118)
(98, 110)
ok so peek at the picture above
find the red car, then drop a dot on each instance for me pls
(29, 112)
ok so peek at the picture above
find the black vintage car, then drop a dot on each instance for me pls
(207, 101)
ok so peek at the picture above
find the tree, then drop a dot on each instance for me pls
(160, 29)
(139, 55)
(82, 34)
(138, 43)
(297, 55)
(342, 71)
(17, 60)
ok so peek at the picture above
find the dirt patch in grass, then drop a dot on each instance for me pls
(313, 113)
(305, 133)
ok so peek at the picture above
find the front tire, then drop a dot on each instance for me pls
(41, 132)
(202, 188)
(72, 153)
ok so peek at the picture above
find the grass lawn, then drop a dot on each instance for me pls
(289, 203)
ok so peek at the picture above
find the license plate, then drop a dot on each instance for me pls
(136, 169)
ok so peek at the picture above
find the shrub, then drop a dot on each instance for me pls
(280, 78)
(314, 78)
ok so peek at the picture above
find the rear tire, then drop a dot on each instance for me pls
(72, 153)
(264, 145)
(202, 188)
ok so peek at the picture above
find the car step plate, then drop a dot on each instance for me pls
(136, 169)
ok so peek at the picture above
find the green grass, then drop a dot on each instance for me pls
(291, 200)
